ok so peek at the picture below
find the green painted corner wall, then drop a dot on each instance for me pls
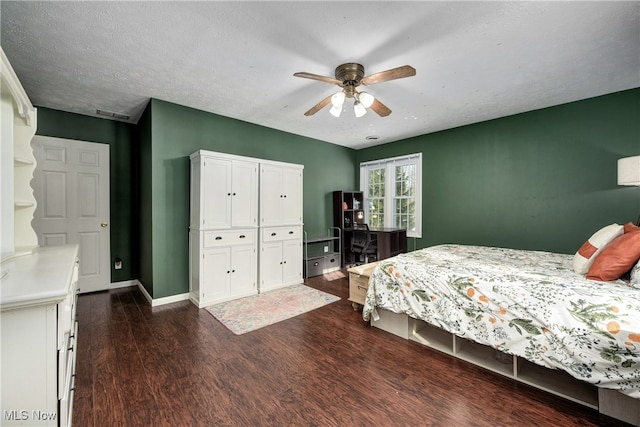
(123, 193)
(143, 175)
(543, 180)
(176, 132)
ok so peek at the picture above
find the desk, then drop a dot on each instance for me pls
(390, 242)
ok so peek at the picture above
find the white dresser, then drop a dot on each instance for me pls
(38, 295)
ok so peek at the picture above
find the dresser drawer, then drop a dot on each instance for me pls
(358, 286)
(228, 237)
(274, 234)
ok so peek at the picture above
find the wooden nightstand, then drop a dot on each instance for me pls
(359, 283)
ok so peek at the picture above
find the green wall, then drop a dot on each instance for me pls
(123, 193)
(542, 180)
(175, 133)
(539, 180)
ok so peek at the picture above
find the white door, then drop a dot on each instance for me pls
(71, 188)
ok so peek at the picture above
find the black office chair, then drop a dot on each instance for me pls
(362, 246)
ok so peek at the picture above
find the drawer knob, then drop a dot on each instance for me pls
(218, 237)
(273, 234)
(242, 236)
(291, 232)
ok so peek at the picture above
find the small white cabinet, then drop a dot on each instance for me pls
(224, 265)
(280, 257)
(39, 333)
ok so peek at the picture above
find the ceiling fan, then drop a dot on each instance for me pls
(349, 76)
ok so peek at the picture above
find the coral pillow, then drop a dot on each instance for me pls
(587, 253)
(631, 228)
(616, 258)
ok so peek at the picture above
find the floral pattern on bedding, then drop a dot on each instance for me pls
(527, 303)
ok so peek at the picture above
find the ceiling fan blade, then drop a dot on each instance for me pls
(381, 109)
(392, 74)
(319, 106)
(325, 79)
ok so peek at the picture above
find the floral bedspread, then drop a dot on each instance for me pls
(527, 303)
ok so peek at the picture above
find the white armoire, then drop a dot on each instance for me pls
(245, 233)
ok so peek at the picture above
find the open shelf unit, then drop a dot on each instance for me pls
(550, 380)
(348, 209)
(322, 254)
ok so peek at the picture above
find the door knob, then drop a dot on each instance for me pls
(103, 225)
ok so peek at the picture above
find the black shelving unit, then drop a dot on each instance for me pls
(348, 208)
(316, 260)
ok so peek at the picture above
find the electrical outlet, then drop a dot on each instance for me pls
(118, 264)
(326, 248)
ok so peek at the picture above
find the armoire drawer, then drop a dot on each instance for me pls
(273, 234)
(228, 237)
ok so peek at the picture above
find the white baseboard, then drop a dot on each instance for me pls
(123, 284)
(161, 301)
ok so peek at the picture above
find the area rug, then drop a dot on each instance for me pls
(248, 314)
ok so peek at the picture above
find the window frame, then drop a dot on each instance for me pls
(389, 165)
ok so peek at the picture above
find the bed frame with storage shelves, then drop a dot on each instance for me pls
(608, 402)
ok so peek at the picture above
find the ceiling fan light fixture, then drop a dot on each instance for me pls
(359, 109)
(366, 99)
(338, 99)
(336, 111)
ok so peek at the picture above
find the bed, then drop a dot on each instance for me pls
(528, 304)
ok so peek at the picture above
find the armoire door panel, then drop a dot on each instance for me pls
(292, 261)
(244, 198)
(243, 270)
(292, 202)
(216, 274)
(271, 195)
(216, 193)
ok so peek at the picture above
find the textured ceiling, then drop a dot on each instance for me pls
(475, 61)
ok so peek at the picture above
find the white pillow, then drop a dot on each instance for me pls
(587, 253)
(635, 276)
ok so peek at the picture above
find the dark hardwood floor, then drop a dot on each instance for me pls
(176, 365)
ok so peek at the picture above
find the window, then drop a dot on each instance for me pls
(393, 194)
